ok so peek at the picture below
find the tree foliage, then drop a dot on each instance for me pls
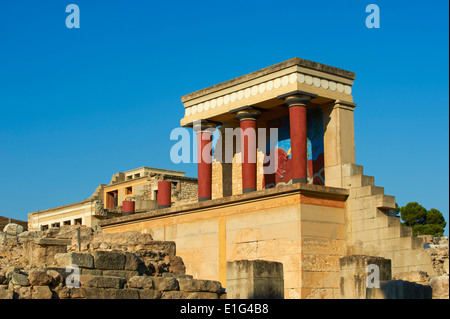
(422, 221)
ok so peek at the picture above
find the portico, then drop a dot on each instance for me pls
(280, 96)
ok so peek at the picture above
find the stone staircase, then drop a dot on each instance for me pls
(372, 231)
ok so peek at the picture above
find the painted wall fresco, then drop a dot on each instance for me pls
(283, 173)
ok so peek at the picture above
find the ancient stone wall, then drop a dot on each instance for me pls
(80, 263)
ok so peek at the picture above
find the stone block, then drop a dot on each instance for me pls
(82, 260)
(197, 285)
(149, 294)
(440, 286)
(39, 277)
(257, 279)
(165, 283)
(132, 262)
(360, 272)
(141, 282)
(88, 281)
(6, 294)
(108, 260)
(127, 274)
(41, 292)
(19, 279)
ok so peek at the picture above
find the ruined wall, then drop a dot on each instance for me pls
(39, 265)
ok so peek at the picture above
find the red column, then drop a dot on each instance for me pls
(248, 149)
(204, 158)
(298, 125)
(164, 194)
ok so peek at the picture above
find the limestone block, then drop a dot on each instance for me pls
(127, 274)
(132, 262)
(255, 279)
(6, 294)
(82, 260)
(141, 282)
(41, 292)
(440, 286)
(149, 294)
(109, 260)
(197, 285)
(19, 279)
(102, 281)
(360, 273)
(13, 229)
(165, 283)
(39, 277)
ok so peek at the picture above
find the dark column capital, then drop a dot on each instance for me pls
(248, 115)
(202, 126)
(297, 98)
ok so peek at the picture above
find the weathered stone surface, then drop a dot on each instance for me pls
(132, 262)
(102, 281)
(196, 285)
(108, 260)
(62, 292)
(6, 294)
(130, 238)
(127, 274)
(13, 229)
(141, 282)
(82, 260)
(165, 284)
(149, 294)
(23, 293)
(41, 292)
(440, 285)
(39, 277)
(256, 279)
(19, 279)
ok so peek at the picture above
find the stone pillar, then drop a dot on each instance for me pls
(361, 276)
(164, 194)
(249, 131)
(297, 102)
(338, 140)
(255, 279)
(204, 158)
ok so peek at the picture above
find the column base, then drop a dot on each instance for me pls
(202, 199)
(248, 190)
(300, 180)
(163, 206)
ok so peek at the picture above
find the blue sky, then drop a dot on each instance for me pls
(78, 105)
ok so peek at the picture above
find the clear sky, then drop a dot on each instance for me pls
(78, 105)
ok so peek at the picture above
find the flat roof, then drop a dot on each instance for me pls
(270, 69)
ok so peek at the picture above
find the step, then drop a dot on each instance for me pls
(406, 231)
(380, 201)
(357, 181)
(350, 169)
(369, 191)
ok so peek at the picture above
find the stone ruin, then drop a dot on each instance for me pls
(82, 263)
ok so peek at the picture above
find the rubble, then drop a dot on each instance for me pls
(82, 263)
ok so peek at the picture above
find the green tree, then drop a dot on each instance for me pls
(423, 221)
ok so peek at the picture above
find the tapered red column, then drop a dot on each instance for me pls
(298, 125)
(204, 159)
(164, 194)
(248, 149)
